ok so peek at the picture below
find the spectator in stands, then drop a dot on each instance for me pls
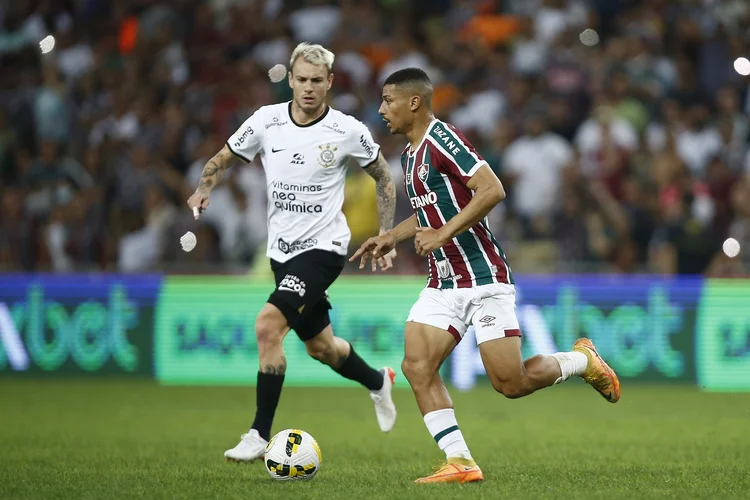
(532, 169)
(641, 161)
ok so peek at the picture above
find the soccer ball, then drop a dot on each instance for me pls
(292, 454)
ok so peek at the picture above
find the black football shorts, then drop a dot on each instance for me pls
(301, 286)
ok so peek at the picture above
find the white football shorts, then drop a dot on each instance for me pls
(490, 309)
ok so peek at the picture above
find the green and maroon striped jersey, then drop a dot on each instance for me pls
(435, 177)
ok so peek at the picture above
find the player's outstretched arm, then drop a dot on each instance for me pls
(385, 188)
(405, 230)
(210, 177)
(379, 246)
(488, 192)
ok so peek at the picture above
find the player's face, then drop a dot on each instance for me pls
(395, 109)
(310, 84)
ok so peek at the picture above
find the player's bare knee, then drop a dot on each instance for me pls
(267, 336)
(323, 352)
(417, 371)
(269, 331)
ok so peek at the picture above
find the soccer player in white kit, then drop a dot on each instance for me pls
(305, 146)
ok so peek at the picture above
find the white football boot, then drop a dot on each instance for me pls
(385, 410)
(251, 447)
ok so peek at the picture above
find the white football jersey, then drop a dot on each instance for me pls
(305, 169)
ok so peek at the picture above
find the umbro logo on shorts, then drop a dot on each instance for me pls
(487, 321)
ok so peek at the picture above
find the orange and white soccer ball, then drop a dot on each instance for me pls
(292, 455)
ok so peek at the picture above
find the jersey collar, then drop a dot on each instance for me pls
(426, 133)
(317, 120)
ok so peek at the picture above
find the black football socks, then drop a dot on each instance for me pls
(268, 390)
(267, 395)
(355, 368)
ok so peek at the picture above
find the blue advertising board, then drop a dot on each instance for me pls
(644, 327)
(648, 328)
(77, 324)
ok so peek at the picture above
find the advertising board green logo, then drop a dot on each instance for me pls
(723, 336)
(204, 329)
(39, 332)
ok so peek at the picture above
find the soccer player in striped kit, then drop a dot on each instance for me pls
(452, 189)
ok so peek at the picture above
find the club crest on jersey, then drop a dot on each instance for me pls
(327, 158)
(423, 171)
(443, 269)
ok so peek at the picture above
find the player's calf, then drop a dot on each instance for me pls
(424, 377)
(522, 379)
(513, 377)
(343, 359)
(353, 367)
(340, 355)
(425, 349)
(511, 389)
(270, 329)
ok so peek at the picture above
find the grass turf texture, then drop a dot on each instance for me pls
(122, 439)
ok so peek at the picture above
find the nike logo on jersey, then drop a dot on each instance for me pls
(274, 150)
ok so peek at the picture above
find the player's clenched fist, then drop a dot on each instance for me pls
(380, 249)
(198, 200)
(428, 240)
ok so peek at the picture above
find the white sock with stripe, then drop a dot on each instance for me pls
(444, 429)
(571, 363)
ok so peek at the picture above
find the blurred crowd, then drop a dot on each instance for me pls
(618, 127)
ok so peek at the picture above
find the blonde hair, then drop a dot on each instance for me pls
(314, 54)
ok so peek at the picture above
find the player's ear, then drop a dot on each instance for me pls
(291, 77)
(330, 80)
(414, 102)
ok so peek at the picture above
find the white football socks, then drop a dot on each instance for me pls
(571, 363)
(444, 429)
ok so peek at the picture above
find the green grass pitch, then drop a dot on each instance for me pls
(112, 439)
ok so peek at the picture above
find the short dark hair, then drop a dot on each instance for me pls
(408, 76)
(415, 80)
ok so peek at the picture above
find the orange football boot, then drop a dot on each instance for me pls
(598, 374)
(456, 470)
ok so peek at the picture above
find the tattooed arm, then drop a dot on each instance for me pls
(214, 169)
(210, 177)
(386, 192)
